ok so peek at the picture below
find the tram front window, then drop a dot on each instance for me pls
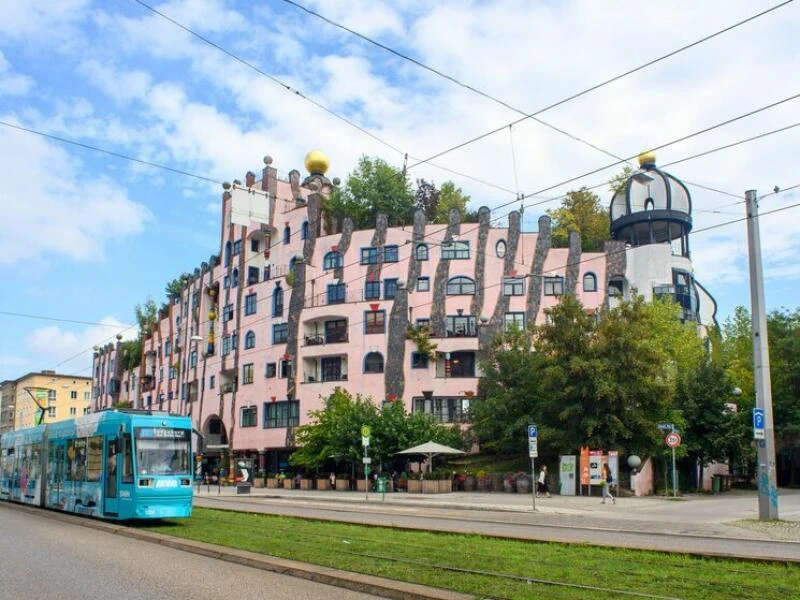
(162, 451)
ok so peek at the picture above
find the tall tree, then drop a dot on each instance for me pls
(374, 187)
(450, 197)
(427, 199)
(146, 316)
(581, 211)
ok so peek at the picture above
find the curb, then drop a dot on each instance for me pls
(357, 582)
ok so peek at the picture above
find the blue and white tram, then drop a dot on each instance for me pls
(114, 464)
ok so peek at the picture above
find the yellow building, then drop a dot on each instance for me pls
(47, 397)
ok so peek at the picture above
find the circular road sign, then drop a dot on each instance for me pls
(365, 431)
(673, 439)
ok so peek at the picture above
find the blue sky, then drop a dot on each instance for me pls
(86, 236)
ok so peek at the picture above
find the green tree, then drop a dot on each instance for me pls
(173, 288)
(509, 395)
(132, 353)
(374, 187)
(146, 317)
(427, 199)
(450, 196)
(581, 211)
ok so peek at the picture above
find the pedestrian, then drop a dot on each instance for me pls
(332, 480)
(541, 484)
(608, 479)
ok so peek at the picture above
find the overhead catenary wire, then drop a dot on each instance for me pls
(605, 82)
(601, 184)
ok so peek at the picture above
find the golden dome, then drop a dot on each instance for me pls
(647, 157)
(317, 162)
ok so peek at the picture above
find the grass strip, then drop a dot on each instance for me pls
(485, 566)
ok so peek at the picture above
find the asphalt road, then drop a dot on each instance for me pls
(664, 534)
(46, 559)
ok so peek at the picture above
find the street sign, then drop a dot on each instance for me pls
(673, 439)
(367, 460)
(533, 448)
(365, 431)
(665, 427)
(533, 432)
(365, 441)
(759, 424)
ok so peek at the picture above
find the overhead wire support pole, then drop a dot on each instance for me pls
(767, 481)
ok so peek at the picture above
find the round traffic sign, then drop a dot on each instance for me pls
(365, 431)
(673, 439)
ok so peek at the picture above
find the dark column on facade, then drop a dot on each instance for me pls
(394, 379)
(484, 225)
(378, 241)
(344, 245)
(616, 263)
(543, 243)
(439, 308)
(573, 262)
(496, 323)
(297, 298)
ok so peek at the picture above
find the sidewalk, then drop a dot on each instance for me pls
(699, 515)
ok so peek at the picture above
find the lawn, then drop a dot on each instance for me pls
(488, 567)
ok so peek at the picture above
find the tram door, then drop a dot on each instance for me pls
(111, 485)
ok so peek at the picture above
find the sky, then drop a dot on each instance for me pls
(85, 236)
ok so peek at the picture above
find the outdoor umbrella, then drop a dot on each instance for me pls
(431, 449)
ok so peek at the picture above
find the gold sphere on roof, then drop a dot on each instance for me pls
(647, 157)
(317, 162)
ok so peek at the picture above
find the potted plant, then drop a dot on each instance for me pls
(343, 482)
(272, 480)
(415, 483)
(430, 485)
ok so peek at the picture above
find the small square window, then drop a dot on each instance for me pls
(419, 360)
(423, 284)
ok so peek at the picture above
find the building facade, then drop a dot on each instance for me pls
(8, 391)
(295, 305)
(47, 397)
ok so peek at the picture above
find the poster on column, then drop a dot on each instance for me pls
(584, 465)
(595, 467)
(613, 464)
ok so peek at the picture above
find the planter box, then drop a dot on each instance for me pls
(272, 483)
(402, 484)
(306, 484)
(414, 486)
(323, 484)
(444, 486)
(361, 485)
(288, 484)
(258, 482)
(430, 486)
(342, 485)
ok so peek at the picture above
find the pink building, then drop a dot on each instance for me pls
(294, 306)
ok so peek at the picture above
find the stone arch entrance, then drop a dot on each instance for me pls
(216, 447)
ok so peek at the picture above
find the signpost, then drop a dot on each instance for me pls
(533, 452)
(759, 424)
(365, 431)
(673, 440)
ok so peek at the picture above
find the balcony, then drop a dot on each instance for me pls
(325, 369)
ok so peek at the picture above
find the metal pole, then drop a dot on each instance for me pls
(533, 485)
(674, 477)
(366, 473)
(767, 481)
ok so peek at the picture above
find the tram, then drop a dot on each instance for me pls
(113, 464)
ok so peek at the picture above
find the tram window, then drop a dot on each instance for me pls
(76, 453)
(127, 459)
(94, 464)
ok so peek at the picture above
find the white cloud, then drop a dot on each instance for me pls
(53, 205)
(12, 84)
(121, 85)
(73, 349)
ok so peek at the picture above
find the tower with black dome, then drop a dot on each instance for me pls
(652, 215)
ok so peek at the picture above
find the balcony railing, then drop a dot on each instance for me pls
(316, 339)
(325, 378)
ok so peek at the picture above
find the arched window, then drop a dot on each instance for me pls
(287, 234)
(277, 302)
(304, 231)
(590, 282)
(249, 340)
(422, 252)
(649, 204)
(460, 286)
(228, 254)
(332, 260)
(235, 278)
(373, 363)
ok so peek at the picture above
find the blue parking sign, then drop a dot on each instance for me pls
(532, 432)
(758, 418)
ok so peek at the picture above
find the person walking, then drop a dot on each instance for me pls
(541, 483)
(608, 479)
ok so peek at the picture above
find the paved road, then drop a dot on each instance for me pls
(46, 559)
(698, 524)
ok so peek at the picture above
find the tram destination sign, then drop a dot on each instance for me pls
(161, 433)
